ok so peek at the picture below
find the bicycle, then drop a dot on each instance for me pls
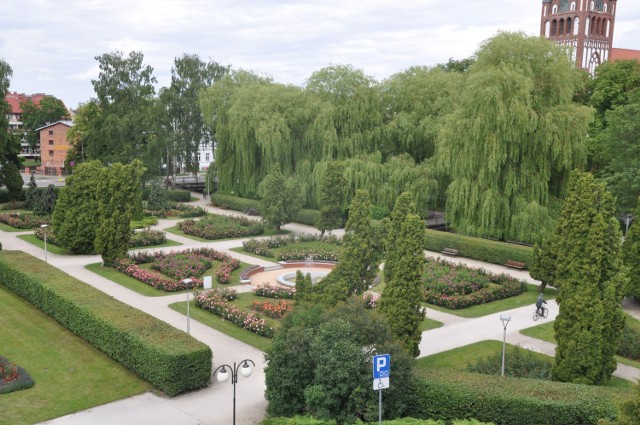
(545, 313)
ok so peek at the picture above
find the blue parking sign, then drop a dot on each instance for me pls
(381, 366)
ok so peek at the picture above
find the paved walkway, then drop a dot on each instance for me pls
(213, 405)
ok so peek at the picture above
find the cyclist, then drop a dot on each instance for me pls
(539, 302)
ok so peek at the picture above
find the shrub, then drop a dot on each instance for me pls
(221, 227)
(234, 202)
(455, 286)
(630, 344)
(13, 377)
(270, 291)
(215, 303)
(445, 395)
(150, 348)
(306, 216)
(519, 363)
(39, 233)
(13, 205)
(479, 249)
(144, 223)
(23, 221)
(148, 238)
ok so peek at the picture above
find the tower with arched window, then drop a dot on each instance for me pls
(585, 27)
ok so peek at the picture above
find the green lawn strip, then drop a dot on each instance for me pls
(524, 299)
(458, 359)
(70, 374)
(149, 291)
(428, 324)
(545, 332)
(209, 319)
(7, 228)
(52, 248)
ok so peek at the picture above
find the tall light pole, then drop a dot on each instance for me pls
(44, 227)
(223, 376)
(186, 282)
(505, 321)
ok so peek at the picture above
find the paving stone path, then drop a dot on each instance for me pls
(213, 405)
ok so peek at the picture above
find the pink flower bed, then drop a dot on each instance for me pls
(216, 303)
(275, 311)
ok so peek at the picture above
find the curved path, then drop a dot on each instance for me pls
(213, 405)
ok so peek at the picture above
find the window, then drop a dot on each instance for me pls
(207, 159)
(564, 6)
(50, 153)
(51, 142)
(554, 10)
(573, 6)
(569, 26)
(554, 28)
(50, 132)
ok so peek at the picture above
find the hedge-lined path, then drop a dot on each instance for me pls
(213, 405)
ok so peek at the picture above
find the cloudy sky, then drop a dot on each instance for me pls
(52, 44)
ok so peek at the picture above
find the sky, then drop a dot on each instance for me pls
(51, 45)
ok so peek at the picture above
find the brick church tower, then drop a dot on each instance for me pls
(584, 26)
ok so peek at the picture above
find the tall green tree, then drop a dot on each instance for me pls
(332, 197)
(512, 141)
(49, 110)
(46, 201)
(631, 252)
(359, 259)
(592, 278)
(181, 123)
(117, 192)
(400, 300)
(280, 199)
(76, 216)
(87, 114)
(9, 144)
(123, 129)
(404, 206)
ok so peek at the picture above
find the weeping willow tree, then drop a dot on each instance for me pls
(513, 140)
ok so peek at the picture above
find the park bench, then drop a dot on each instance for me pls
(451, 251)
(515, 264)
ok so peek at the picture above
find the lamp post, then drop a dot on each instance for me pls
(505, 321)
(627, 220)
(44, 227)
(186, 282)
(223, 376)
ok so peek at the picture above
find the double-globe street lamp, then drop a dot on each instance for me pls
(224, 372)
(186, 283)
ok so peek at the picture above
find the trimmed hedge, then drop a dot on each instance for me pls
(506, 401)
(304, 216)
(306, 420)
(479, 249)
(169, 359)
(175, 195)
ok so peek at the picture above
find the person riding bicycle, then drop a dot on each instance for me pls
(539, 302)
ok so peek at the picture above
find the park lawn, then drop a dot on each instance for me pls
(524, 299)
(7, 228)
(458, 359)
(149, 291)
(70, 374)
(243, 302)
(545, 332)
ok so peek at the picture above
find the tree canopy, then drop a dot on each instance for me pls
(49, 110)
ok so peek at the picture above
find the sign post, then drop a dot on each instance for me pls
(381, 372)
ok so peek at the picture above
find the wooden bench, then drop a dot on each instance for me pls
(451, 251)
(515, 264)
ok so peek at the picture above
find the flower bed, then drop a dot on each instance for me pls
(178, 210)
(39, 233)
(147, 238)
(455, 286)
(23, 221)
(273, 310)
(263, 247)
(13, 377)
(190, 264)
(217, 304)
(288, 254)
(270, 291)
(221, 227)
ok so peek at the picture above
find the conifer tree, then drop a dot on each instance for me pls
(32, 195)
(591, 278)
(404, 206)
(303, 286)
(332, 197)
(400, 300)
(280, 199)
(45, 202)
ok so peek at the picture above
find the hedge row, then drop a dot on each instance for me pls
(169, 359)
(175, 195)
(305, 420)
(508, 401)
(479, 249)
(304, 216)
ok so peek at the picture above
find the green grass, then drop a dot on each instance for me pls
(234, 331)
(524, 299)
(458, 359)
(168, 243)
(70, 374)
(52, 248)
(428, 324)
(545, 332)
(149, 291)
(7, 228)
